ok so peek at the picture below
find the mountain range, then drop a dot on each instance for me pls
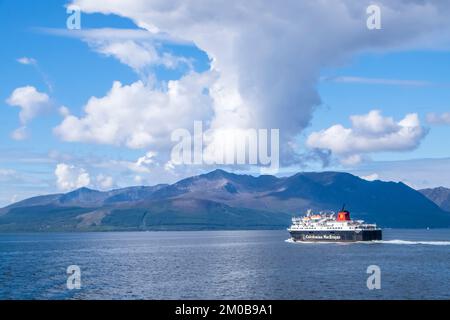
(439, 195)
(223, 200)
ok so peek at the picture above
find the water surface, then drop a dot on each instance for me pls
(415, 264)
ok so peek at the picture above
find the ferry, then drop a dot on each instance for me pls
(329, 227)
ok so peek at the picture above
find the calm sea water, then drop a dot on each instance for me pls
(415, 264)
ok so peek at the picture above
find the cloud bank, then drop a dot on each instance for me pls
(266, 62)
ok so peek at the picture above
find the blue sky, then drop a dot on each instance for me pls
(393, 100)
(70, 70)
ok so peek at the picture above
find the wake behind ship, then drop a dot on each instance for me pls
(326, 227)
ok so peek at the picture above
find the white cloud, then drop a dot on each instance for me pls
(30, 101)
(136, 48)
(147, 160)
(169, 166)
(138, 180)
(143, 165)
(379, 81)
(139, 115)
(439, 119)
(20, 133)
(138, 55)
(130, 53)
(69, 177)
(369, 133)
(104, 182)
(113, 34)
(374, 124)
(64, 111)
(7, 174)
(33, 62)
(371, 177)
(27, 61)
(266, 65)
(14, 198)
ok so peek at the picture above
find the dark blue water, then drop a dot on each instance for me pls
(415, 264)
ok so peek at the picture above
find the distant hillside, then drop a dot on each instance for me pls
(223, 200)
(440, 196)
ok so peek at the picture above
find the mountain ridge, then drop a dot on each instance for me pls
(439, 195)
(224, 200)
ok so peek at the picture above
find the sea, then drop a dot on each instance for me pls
(407, 264)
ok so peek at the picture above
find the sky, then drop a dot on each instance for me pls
(97, 106)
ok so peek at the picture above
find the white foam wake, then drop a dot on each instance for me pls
(397, 241)
(408, 242)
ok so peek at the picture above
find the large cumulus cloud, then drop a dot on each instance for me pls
(266, 56)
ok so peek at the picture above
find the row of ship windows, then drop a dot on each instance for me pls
(312, 228)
